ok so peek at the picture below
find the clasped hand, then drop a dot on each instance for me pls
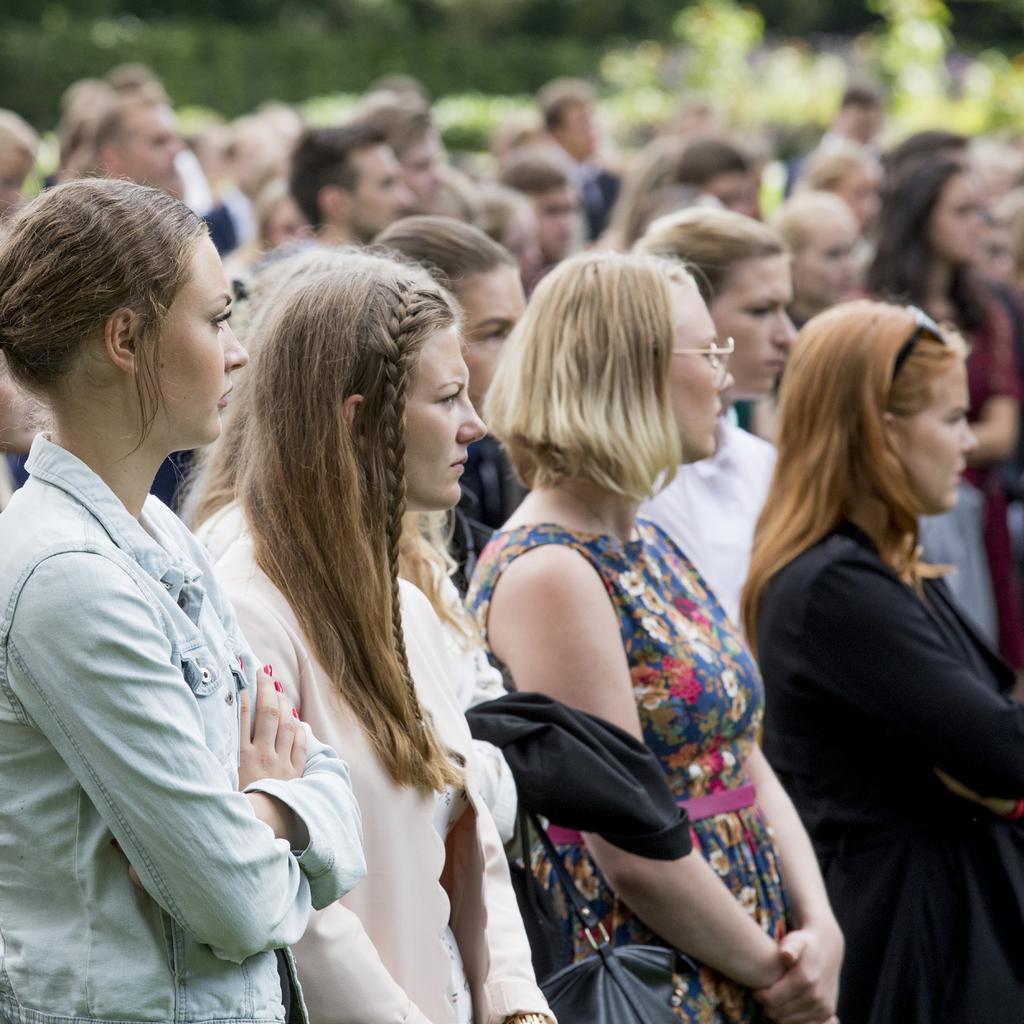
(807, 991)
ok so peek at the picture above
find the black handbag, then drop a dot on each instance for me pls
(616, 985)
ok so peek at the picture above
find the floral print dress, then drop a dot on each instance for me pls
(700, 701)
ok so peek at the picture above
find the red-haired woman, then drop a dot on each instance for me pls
(887, 711)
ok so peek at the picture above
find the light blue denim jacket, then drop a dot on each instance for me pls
(120, 666)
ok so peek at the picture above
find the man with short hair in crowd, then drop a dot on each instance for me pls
(570, 119)
(409, 130)
(348, 183)
(139, 140)
(541, 174)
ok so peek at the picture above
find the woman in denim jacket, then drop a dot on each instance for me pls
(156, 847)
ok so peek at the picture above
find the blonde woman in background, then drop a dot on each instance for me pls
(853, 174)
(822, 235)
(742, 270)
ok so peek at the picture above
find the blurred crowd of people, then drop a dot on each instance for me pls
(779, 571)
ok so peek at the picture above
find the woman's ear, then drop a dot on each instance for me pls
(120, 338)
(349, 408)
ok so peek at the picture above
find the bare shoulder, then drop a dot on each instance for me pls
(550, 576)
(553, 625)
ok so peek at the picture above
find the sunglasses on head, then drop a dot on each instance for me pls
(923, 324)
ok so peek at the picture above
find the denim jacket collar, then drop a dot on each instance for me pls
(55, 465)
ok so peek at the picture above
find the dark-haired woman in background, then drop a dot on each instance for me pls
(931, 230)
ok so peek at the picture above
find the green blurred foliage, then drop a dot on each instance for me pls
(762, 65)
(232, 68)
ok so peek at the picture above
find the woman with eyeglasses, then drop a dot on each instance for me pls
(888, 712)
(742, 270)
(611, 379)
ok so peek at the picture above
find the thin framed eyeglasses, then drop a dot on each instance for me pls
(716, 355)
(923, 324)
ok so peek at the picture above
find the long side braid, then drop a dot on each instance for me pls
(396, 378)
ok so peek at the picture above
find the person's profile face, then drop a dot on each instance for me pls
(557, 212)
(286, 223)
(440, 424)
(576, 131)
(859, 189)
(824, 269)
(380, 196)
(957, 222)
(694, 385)
(198, 353)
(150, 148)
(738, 191)
(492, 303)
(751, 307)
(934, 444)
(421, 168)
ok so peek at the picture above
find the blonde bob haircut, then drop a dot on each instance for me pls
(581, 390)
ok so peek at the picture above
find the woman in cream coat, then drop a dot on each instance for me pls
(369, 364)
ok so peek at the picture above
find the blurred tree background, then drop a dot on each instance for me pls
(954, 62)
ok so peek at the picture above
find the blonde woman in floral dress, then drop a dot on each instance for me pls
(612, 371)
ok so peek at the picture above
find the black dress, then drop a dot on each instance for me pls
(869, 688)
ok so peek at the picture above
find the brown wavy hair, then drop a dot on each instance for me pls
(833, 444)
(212, 482)
(324, 498)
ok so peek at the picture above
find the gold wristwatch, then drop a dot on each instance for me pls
(528, 1018)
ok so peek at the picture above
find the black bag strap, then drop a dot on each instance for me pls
(589, 920)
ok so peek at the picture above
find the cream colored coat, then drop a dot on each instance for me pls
(376, 956)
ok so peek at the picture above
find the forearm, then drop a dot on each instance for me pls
(282, 820)
(687, 905)
(801, 875)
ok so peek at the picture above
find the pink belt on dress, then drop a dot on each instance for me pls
(698, 807)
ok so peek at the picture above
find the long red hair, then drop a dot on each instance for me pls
(833, 446)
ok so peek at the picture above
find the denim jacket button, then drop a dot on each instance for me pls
(229, 697)
(206, 675)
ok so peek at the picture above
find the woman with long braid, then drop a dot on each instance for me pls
(358, 410)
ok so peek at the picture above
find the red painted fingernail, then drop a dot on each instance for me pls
(269, 669)
(295, 713)
(278, 687)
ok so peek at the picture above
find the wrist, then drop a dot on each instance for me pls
(277, 816)
(766, 969)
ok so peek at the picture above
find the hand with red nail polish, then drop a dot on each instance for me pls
(273, 744)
